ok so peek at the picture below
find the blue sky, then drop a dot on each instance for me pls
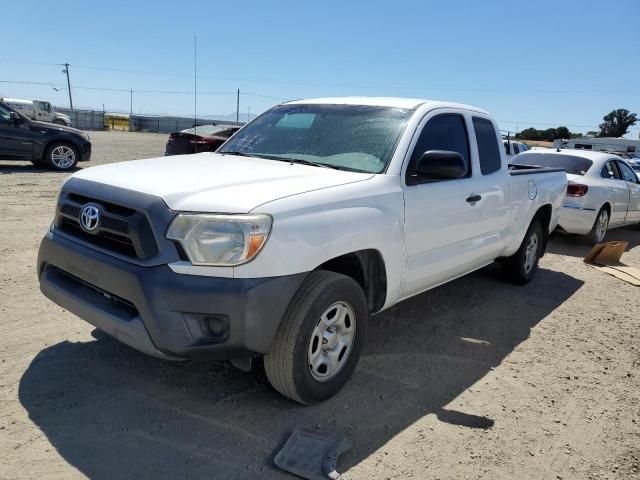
(546, 61)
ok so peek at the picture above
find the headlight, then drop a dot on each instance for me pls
(223, 240)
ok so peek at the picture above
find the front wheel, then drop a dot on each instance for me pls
(62, 156)
(523, 265)
(319, 341)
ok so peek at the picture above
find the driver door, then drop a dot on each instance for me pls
(439, 218)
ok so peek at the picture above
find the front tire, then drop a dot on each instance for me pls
(61, 156)
(600, 226)
(523, 265)
(320, 338)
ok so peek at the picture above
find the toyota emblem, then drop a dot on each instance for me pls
(89, 217)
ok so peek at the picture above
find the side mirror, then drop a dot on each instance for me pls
(15, 118)
(441, 165)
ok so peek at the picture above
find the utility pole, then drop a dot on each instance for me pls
(130, 101)
(66, 70)
(238, 106)
(195, 83)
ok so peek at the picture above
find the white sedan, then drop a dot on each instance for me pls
(603, 190)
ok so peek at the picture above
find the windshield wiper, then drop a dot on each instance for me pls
(237, 153)
(300, 160)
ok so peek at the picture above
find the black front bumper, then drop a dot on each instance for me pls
(85, 152)
(162, 313)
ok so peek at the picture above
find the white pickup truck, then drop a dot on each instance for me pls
(39, 110)
(282, 244)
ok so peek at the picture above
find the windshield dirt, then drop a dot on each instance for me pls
(350, 137)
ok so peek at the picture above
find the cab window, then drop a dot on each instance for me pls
(5, 115)
(45, 106)
(443, 132)
(488, 149)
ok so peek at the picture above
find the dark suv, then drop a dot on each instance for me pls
(55, 146)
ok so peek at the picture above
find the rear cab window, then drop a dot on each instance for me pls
(488, 148)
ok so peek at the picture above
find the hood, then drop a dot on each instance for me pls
(211, 182)
(55, 128)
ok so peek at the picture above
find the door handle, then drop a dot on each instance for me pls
(474, 198)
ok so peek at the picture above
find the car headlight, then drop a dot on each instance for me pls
(222, 240)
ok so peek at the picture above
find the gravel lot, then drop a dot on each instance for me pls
(475, 379)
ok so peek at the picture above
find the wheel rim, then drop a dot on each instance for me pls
(531, 253)
(331, 341)
(63, 156)
(601, 225)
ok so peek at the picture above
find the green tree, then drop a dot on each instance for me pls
(617, 123)
(562, 132)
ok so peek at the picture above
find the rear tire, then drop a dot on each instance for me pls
(600, 227)
(320, 338)
(523, 265)
(61, 156)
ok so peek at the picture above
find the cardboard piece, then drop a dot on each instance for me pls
(606, 257)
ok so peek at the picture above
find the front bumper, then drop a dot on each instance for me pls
(577, 220)
(85, 152)
(160, 312)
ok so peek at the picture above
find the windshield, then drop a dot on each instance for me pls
(208, 129)
(572, 164)
(350, 137)
(5, 109)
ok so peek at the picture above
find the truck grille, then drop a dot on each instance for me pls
(120, 230)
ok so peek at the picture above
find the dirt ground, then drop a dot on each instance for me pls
(475, 379)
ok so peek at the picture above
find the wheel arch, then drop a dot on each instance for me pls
(367, 268)
(544, 215)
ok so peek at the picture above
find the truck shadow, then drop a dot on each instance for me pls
(113, 413)
(577, 246)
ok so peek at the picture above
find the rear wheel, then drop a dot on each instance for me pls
(600, 226)
(523, 265)
(61, 156)
(319, 341)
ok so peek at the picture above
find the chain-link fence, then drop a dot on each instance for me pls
(99, 120)
(84, 119)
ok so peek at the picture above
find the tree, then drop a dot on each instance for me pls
(617, 123)
(562, 132)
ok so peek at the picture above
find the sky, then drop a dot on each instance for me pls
(541, 63)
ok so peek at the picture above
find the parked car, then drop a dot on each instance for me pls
(204, 138)
(55, 146)
(39, 110)
(603, 191)
(316, 215)
(514, 148)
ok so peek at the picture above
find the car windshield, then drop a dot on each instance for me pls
(207, 129)
(349, 137)
(572, 164)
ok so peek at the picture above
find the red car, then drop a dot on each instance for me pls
(204, 138)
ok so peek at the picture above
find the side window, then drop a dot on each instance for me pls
(488, 149)
(627, 174)
(516, 148)
(444, 132)
(609, 171)
(523, 147)
(45, 106)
